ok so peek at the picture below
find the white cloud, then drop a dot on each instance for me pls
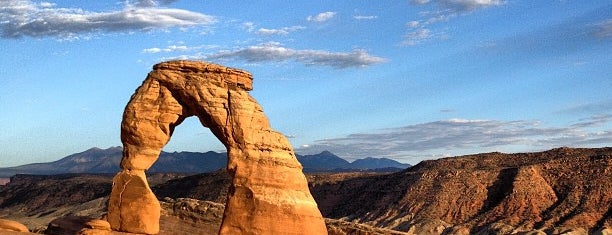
(175, 48)
(47, 4)
(413, 24)
(360, 17)
(281, 31)
(167, 49)
(152, 50)
(20, 18)
(277, 53)
(462, 5)
(416, 37)
(321, 17)
(249, 26)
(460, 136)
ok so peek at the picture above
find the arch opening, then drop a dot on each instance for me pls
(192, 136)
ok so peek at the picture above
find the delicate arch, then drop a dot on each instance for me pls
(269, 193)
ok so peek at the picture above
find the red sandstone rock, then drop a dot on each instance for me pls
(10, 225)
(132, 205)
(269, 193)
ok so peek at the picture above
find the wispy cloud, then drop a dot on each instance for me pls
(362, 17)
(422, 30)
(419, 30)
(593, 108)
(281, 31)
(413, 24)
(321, 17)
(275, 52)
(432, 17)
(176, 48)
(416, 36)
(462, 5)
(251, 27)
(604, 29)
(459, 136)
(593, 121)
(248, 26)
(21, 18)
(150, 3)
(168, 49)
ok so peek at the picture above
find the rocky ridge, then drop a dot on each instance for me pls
(491, 193)
(562, 187)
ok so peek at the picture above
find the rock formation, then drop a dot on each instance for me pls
(269, 193)
(520, 192)
(10, 225)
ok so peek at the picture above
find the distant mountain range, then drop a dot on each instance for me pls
(96, 160)
(328, 162)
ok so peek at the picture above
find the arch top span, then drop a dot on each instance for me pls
(231, 76)
(269, 193)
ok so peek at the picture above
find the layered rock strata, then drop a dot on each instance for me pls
(269, 193)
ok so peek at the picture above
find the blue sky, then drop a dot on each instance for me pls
(409, 80)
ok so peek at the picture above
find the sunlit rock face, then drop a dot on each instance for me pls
(269, 193)
(12, 226)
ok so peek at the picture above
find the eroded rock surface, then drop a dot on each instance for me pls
(269, 193)
(10, 225)
(488, 193)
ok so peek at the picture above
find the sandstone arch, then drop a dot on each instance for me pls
(269, 192)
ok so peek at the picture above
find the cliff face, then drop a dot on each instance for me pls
(557, 188)
(268, 193)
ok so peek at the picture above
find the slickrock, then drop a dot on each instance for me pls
(10, 225)
(269, 193)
